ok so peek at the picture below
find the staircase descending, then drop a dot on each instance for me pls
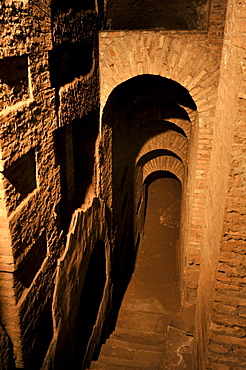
(151, 332)
(148, 340)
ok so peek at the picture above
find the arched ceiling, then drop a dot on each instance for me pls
(149, 14)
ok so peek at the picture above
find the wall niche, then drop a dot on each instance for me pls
(13, 80)
(68, 61)
(20, 179)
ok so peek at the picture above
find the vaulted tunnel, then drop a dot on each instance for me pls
(146, 126)
(154, 286)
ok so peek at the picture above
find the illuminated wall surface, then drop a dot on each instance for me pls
(100, 101)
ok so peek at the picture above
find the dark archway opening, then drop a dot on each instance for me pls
(91, 297)
(159, 269)
(154, 286)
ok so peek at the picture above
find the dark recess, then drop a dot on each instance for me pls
(68, 61)
(31, 263)
(76, 5)
(43, 332)
(84, 135)
(22, 174)
(90, 300)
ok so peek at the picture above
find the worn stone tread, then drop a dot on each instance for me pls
(120, 363)
(135, 336)
(143, 321)
(115, 342)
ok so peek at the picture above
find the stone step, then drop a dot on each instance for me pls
(136, 359)
(143, 321)
(114, 343)
(121, 354)
(138, 337)
(148, 341)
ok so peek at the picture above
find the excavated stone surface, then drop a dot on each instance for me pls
(6, 353)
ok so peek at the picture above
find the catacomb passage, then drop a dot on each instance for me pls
(156, 275)
(97, 97)
(152, 298)
(155, 283)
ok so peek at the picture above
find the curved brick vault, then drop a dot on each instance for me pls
(164, 163)
(182, 57)
(187, 60)
(169, 140)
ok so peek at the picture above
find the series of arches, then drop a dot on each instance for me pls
(146, 129)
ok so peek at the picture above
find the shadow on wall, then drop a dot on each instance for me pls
(6, 354)
(21, 174)
(76, 5)
(74, 150)
(138, 111)
(67, 62)
(13, 80)
(149, 14)
(79, 332)
(91, 297)
(43, 333)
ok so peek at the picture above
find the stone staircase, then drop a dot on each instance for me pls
(151, 332)
(148, 341)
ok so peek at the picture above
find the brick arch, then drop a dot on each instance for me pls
(180, 57)
(164, 163)
(169, 140)
(201, 126)
(159, 109)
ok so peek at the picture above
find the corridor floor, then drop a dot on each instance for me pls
(152, 298)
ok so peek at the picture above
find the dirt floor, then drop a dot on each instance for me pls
(155, 284)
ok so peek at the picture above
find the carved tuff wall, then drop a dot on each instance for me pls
(49, 123)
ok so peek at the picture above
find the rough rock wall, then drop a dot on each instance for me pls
(6, 354)
(29, 176)
(49, 97)
(75, 296)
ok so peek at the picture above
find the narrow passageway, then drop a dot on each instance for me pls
(155, 284)
(152, 297)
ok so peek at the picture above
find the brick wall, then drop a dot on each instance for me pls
(227, 331)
